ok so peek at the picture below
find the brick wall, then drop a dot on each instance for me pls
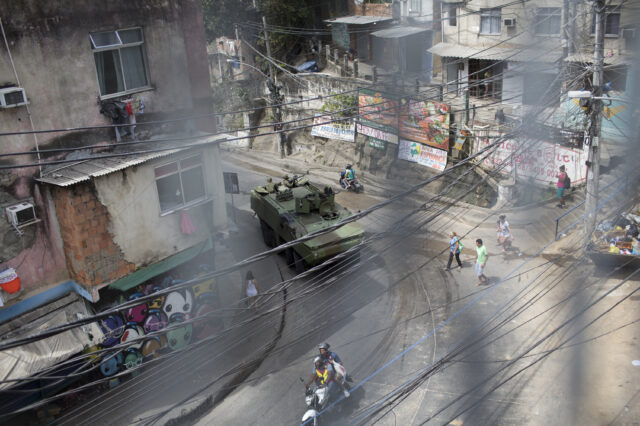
(93, 258)
(370, 9)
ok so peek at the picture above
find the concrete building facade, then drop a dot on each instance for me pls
(512, 53)
(81, 64)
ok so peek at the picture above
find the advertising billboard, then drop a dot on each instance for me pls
(426, 122)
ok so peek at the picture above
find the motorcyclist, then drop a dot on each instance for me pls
(323, 375)
(348, 176)
(330, 358)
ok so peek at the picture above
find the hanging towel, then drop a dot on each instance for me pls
(186, 224)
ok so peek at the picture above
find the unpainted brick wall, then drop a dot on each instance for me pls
(93, 258)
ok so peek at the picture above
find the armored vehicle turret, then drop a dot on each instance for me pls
(295, 207)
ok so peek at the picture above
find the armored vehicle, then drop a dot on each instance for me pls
(294, 208)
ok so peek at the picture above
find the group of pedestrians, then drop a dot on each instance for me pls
(456, 246)
(504, 239)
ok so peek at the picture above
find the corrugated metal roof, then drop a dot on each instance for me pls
(358, 20)
(84, 170)
(72, 173)
(398, 32)
(452, 50)
(608, 60)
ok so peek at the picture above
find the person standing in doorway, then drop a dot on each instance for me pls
(454, 250)
(481, 261)
(487, 85)
(251, 290)
(562, 178)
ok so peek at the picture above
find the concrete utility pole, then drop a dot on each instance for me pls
(565, 29)
(593, 163)
(274, 90)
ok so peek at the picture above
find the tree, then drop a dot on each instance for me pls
(220, 16)
(289, 14)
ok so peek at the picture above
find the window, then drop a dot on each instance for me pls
(415, 6)
(453, 15)
(548, 20)
(611, 21)
(180, 183)
(120, 61)
(490, 21)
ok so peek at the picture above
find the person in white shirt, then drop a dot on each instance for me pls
(251, 290)
(505, 237)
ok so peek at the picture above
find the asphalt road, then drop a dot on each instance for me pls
(390, 317)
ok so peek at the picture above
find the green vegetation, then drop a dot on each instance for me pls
(220, 17)
(344, 105)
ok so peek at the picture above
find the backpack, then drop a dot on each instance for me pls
(460, 245)
(567, 182)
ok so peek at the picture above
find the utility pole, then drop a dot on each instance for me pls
(565, 29)
(593, 162)
(274, 90)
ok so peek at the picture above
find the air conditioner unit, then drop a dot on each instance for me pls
(510, 22)
(20, 214)
(12, 97)
(628, 33)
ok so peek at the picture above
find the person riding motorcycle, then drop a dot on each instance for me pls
(323, 375)
(327, 355)
(331, 358)
(347, 176)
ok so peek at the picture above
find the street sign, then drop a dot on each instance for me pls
(231, 185)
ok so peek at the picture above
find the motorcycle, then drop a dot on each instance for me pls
(355, 186)
(318, 397)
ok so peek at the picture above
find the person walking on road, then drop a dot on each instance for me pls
(562, 178)
(481, 261)
(455, 247)
(505, 237)
(251, 290)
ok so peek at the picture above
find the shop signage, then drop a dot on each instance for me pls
(377, 143)
(334, 130)
(426, 122)
(378, 110)
(422, 154)
(378, 134)
(537, 160)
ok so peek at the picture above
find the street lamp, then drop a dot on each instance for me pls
(275, 100)
(585, 94)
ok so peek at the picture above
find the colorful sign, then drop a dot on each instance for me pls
(334, 130)
(536, 160)
(422, 154)
(377, 143)
(426, 122)
(378, 134)
(378, 110)
(461, 138)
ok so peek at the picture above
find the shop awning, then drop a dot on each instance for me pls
(29, 359)
(398, 32)
(144, 274)
(358, 20)
(452, 50)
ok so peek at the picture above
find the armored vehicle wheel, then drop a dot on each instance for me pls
(298, 263)
(289, 256)
(267, 234)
